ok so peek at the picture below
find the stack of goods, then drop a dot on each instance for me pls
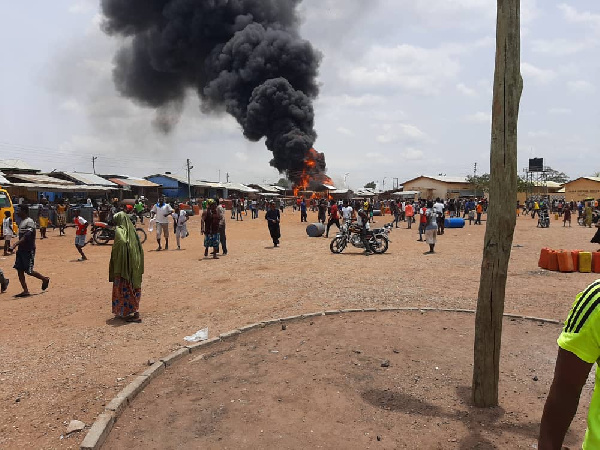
(569, 260)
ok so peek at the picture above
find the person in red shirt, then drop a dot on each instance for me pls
(422, 222)
(334, 218)
(81, 226)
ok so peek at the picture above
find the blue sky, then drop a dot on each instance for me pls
(405, 90)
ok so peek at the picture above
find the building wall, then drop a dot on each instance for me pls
(171, 188)
(579, 189)
(432, 189)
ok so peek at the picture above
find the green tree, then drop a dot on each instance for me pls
(284, 183)
(524, 185)
(556, 176)
(596, 174)
(370, 185)
(479, 183)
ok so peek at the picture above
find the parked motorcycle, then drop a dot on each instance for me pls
(350, 234)
(103, 233)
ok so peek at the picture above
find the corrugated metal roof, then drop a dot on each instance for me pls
(443, 179)
(45, 187)
(3, 181)
(137, 182)
(89, 178)
(40, 179)
(239, 187)
(267, 188)
(16, 164)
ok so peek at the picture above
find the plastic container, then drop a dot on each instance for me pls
(553, 261)
(596, 262)
(315, 230)
(454, 222)
(585, 262)
(565, 262)
(575, 257)
(544, 258)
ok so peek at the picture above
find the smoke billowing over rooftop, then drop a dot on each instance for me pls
(244, 57)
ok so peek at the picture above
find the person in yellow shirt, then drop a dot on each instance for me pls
(579, 349)
(536, 209)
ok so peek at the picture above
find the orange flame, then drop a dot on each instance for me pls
(310, 163)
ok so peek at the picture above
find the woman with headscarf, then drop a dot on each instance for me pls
(587, 214)
(126, 269)
(211, 218)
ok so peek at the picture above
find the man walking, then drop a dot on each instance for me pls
(161, 211)
(479, 210)
(222, 225)
(180, 219)
(409, 213)
(273, 218)
(25, 256)
(303, 215)
(81, 226)
(334, 218)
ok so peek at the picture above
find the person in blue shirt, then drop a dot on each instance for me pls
(303, 215)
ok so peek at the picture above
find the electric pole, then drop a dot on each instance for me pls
(227, 176)
(94, 158)
(189, 168)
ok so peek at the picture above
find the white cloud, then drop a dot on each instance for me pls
(349, 100)
(412, 154)
(242, 156)
(345, 131)
(575, 16)
(460, 87)
(581, 87)
(479, 117)
(393, 133)
(407, 67)
(560, 111)
(562, 47)
(539, 134)
(538, 75)
(82, 7)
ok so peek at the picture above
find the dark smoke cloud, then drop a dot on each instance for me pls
(244, 57)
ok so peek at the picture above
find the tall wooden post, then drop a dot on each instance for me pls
(501, 217)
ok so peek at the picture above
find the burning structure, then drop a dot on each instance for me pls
(312, 176)
(243, 57)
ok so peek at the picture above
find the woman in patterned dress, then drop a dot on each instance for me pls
(126, 269)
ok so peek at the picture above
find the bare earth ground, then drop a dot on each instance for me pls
(64, 357)
(320, 384)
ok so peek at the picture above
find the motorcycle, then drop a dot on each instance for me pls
(103, 233)
(350, 233)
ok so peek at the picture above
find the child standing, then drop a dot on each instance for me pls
(180, 218)
(567, 216)
(7, 232)
(81, 226)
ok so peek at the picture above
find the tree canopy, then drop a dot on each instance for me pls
(370, 185)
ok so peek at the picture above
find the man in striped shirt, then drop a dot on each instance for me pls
(579, 348)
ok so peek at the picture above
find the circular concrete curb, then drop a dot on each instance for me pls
(103, 425)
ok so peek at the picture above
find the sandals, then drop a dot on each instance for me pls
(45, 284)
(23, 295)
(135, 318)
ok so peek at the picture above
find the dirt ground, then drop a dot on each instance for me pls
(321, 384)
(64, 356)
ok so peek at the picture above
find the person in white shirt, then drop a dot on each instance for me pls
(439, 208)
(161, 212)
(7, 232)
(180, 219)
(347, 212)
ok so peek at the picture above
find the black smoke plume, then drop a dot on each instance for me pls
(244, 57)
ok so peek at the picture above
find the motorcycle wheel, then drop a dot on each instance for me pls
(338, 244)
(141, 235)
(380, 244)
(101, 236)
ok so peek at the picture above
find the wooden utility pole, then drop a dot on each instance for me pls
(501, 218)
